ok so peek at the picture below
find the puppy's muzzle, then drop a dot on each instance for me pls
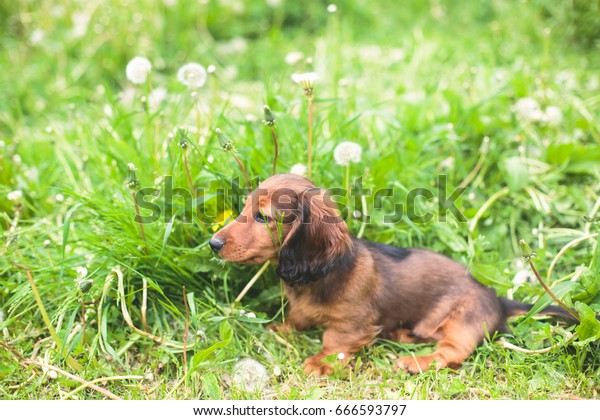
(216, 244)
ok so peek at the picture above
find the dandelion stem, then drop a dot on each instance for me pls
(361, 231)
(310, 136)
(276, 152)
(185, 333)
(552, 295)
(82, 320)
(252, 281)
(145, 303)
(138, 218)
(198, 121)
(347, 185)
(188, 174)
(241, 165)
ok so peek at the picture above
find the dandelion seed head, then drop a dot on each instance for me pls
(447, 163)
(347, 152)
(225, 142)
(528, 110)
(156, 97)
(341, 356)
(298, 169)
(522, 277)
(269, 116)
(211, 69)
(332, 8)
(137, 70)
(82, 272)
(15, 196)
(552, 116)
(131, 179)
(306, 80)
(192, 75)
(81, 21)
(250, 375)
(36, 37)
(293, 57)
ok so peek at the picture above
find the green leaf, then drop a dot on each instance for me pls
(210, 386)
(225, 331)
(515, 173)
(584, 160)
(452, 239)
(168, 230)
(226, 334)
(589, 328)
(558, 154)
(560, 290)
(489, 275)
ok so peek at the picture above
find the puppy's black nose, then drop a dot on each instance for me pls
(216, 244)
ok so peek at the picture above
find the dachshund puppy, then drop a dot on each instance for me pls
(359, 290)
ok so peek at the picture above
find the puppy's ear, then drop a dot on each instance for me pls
(316, 242)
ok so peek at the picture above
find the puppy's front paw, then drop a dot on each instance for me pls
(279, 328)
(419, 364)
(316, 365)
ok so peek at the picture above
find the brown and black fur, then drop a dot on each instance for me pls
(359, 290)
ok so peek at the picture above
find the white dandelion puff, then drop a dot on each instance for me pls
(82, 272)
(347, 152)
(137, 70)
(81, 21)
(306, 80)
(523, 274)
(15, 196)
(293, 57)
(298, 169)
(156, 97)
(192, 75)
(332, 8)
(250, 375)
(36, 37)
(528, 110)
(341, 356)
(553, 115)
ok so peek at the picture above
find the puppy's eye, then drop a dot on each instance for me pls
(261, 217)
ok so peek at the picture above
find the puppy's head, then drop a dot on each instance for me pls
(288, 221)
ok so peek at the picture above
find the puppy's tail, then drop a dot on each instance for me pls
(512, 308)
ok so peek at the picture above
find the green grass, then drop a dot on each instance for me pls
(418, 86)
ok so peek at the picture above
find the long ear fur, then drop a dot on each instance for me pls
(317, 242)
